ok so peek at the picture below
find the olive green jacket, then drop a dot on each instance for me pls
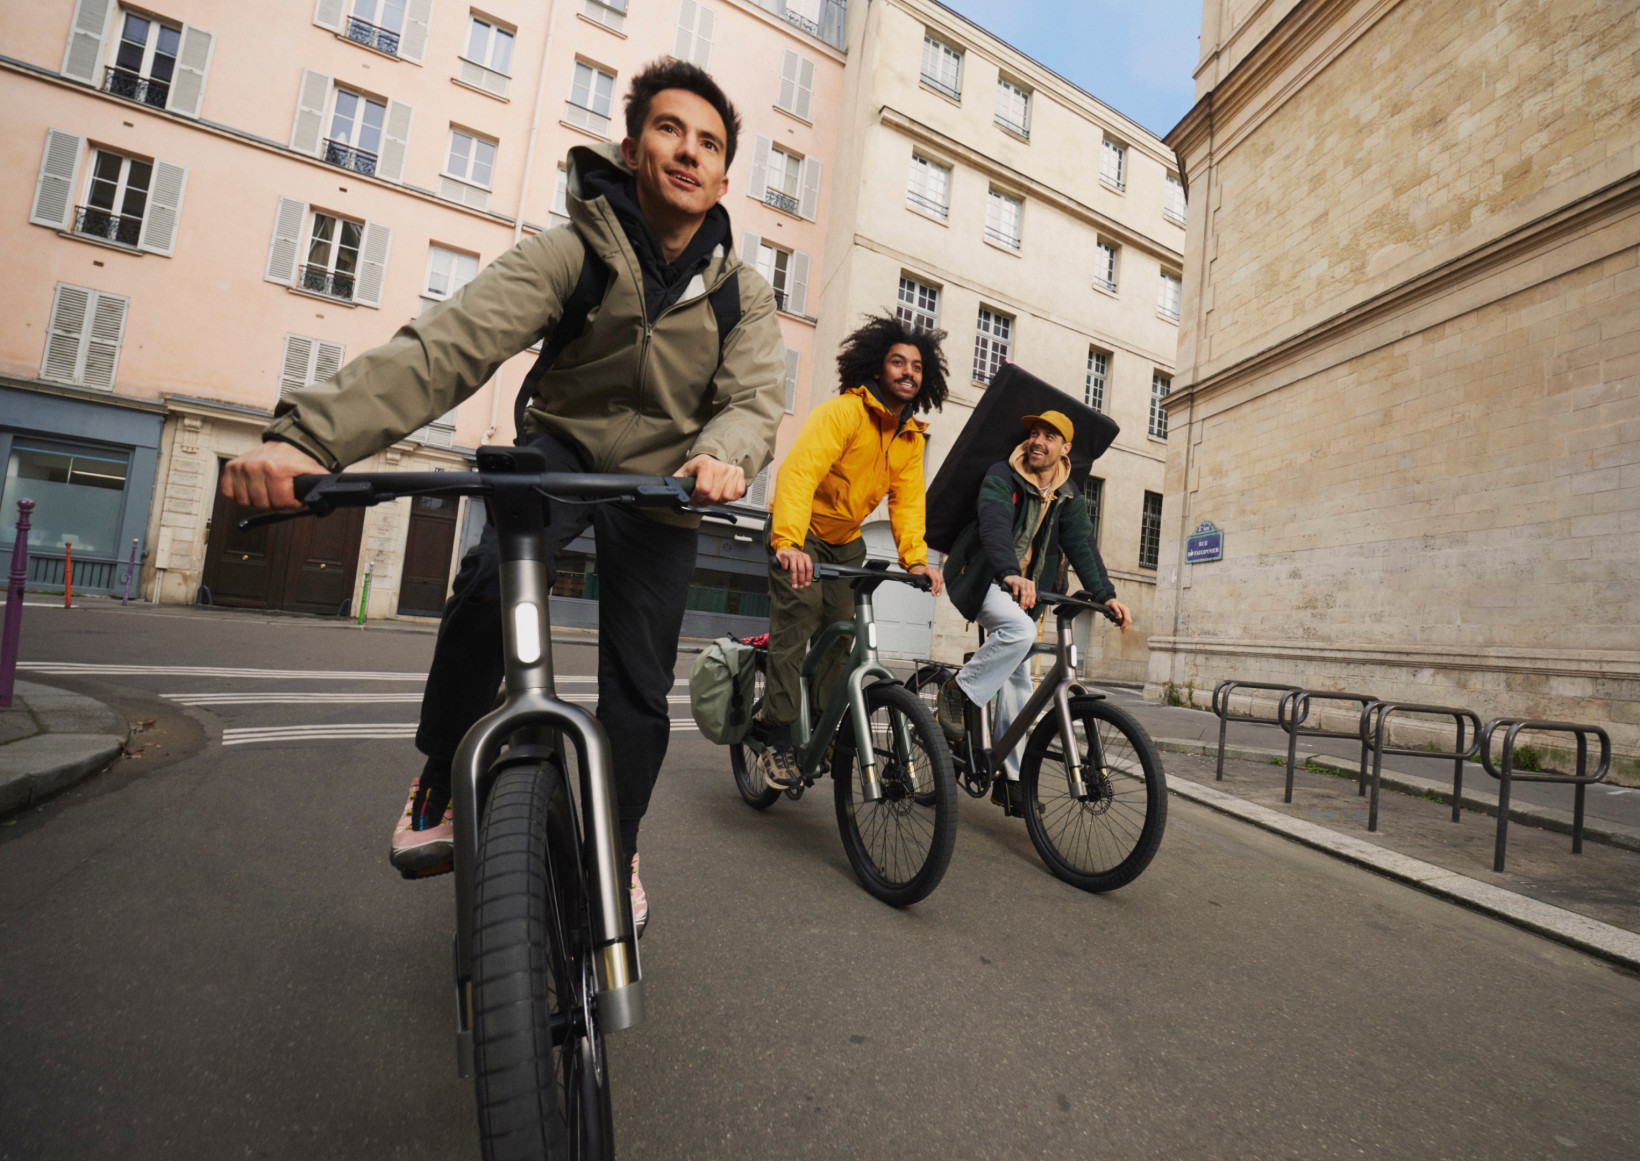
(631, 396)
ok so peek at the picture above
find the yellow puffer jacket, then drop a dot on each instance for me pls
(848, 456)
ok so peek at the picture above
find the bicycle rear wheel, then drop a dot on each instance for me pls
(1105, 841)
(900, 845)
(741, 760)
(542, 1079)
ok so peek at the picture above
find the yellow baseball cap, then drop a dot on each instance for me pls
(1055, 420)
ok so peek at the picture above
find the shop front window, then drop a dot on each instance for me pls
(78, 494)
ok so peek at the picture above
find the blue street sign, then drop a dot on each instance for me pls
(1207, 544)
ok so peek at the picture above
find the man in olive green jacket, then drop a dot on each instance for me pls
(649, 386)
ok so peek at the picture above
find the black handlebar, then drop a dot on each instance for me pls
(1066, 606)
(879, 573)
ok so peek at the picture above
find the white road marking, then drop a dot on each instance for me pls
(363, 730)
(66, 668)
(320, 697)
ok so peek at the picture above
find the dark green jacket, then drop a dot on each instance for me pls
(992, 547)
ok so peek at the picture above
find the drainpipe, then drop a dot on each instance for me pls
(524, 189)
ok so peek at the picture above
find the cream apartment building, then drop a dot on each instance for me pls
(1408, 384)
(220, 202)
(979, 192)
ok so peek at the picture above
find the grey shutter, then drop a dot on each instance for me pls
(159, 228)
(797, 283)
(749, 242)
(193, 62)
(59, 173)
(309, 130)
(296, 368)
(683, 45)
(792, 359)
(395, 141)
(757, 495)
(809, 205)
(327, 360)
(413, 43)
(790, 65)
(329, 13)
(102, 340)
(760, 166)
(805, 88)
(287, 241)
(65, 335)
(378, 240)
(705, 26)
(85, 40)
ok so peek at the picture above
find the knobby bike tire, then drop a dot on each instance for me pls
(741, 761)
(541, 1073)
(900, 845)
(1106, 841)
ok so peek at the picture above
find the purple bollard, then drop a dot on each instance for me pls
(14, 603)
(130, 570)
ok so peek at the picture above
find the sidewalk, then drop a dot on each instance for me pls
(50, 739)
(1589, 901)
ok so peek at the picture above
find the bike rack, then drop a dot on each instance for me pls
(1375, 717)
(1292, 711)
(1221, 707)
(1507, 774)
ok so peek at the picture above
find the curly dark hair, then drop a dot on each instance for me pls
(861, 359)
(667, 73)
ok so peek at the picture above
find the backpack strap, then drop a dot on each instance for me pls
(725, 302)
(588, 293)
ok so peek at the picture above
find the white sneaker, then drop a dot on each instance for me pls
(640, 902)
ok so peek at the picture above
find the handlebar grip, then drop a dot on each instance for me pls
(305, 484)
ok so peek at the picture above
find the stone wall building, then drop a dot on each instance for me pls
(1408, 386)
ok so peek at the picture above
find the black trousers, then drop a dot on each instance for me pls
(644, 568)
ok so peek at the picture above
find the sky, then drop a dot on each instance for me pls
(1134, 55)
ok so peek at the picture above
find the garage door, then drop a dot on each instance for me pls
(905, 616)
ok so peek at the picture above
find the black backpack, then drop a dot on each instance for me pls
(588, 293)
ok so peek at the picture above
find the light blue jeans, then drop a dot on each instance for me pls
(999, 668)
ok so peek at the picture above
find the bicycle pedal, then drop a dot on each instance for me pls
(426, 872)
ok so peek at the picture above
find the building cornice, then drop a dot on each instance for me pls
(801, 36)
(1611, 663)
(80, 394)
(974, 159)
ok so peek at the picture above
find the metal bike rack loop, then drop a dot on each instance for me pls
(1507, 772)
(1294, 710)
(1374, 720)
(1221, 707)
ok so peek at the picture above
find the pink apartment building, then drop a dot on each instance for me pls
(220, 202)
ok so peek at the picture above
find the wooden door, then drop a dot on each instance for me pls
(322, 561)
(240, 566)
(427, 549)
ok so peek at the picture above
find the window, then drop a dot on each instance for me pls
(469, 168)
(696, 24)
(84, 336)
(1013, 108)
(115, 198)
(307, 361)
(784, 180)
(785, 177)
(1104, 266)
(129, 201)
(1173, 200)
(138, 56)
(775, 265)
(589, 99)
(942, 67)
(1113, 164)
(332, 256)
(991, 344)
(1002, 215)
(930, 186)
(1094, 497)
(395, 27)
(145, 60)
(365, 135)
(787, 271)
(355, 140)
(796, 93)
(560, 200)
(610, 13)
(1150, 531)
(1160, 385)
(377, 24)
(78, 492)
(318, 252)
(448, 271)
(486, 64)
(918, 305)
(1098, 372)
(1167, 296)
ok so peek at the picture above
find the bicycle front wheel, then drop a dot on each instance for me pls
(542, 1077)
(1104, 841)
(899, 845)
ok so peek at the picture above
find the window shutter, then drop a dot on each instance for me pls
(760, 166)
(792, 358)
(413, 43)
(193, 62)
(308, 132)
(805, 87)
(790, 65)
(159, 228)
(59, 171)
(69, 309)
(85, 40)
(809, 206)
(797, 284)
(378, 240)
(705, 26)
(295, 369)
(328, 14)
(327, 360)
(102, 353)
(749, 242)
(683, 45)
(395, 141)
(758, 494)
(287, 241)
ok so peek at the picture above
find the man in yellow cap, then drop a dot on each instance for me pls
(1030, 524)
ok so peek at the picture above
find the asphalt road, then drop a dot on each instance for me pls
(203, 953)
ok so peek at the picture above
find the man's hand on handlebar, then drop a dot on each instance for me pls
(715, 481)
(1124, 616)
(262, 478)
(1023, 591)
(936, 581)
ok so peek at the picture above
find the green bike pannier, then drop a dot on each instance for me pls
(722, 688)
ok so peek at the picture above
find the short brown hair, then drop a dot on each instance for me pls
(668, 73)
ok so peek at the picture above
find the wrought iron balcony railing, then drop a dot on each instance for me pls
(96, 223)
(144, 91)
(1013, 126)
(346, 156)
(924, 203)
(372, 36)
(1009, 240)
(318, 280)
(940, 86)
(780, 300)
(781, 200)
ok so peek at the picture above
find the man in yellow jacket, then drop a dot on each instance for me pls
(854, 449)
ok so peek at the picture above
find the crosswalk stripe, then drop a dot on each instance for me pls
(94, 669)
(378, 731)
(321, 697)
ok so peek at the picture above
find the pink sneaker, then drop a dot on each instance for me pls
(640, 902)
(429, 851)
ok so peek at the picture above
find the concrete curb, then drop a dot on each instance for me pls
(75, 737)
(1588, 935)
